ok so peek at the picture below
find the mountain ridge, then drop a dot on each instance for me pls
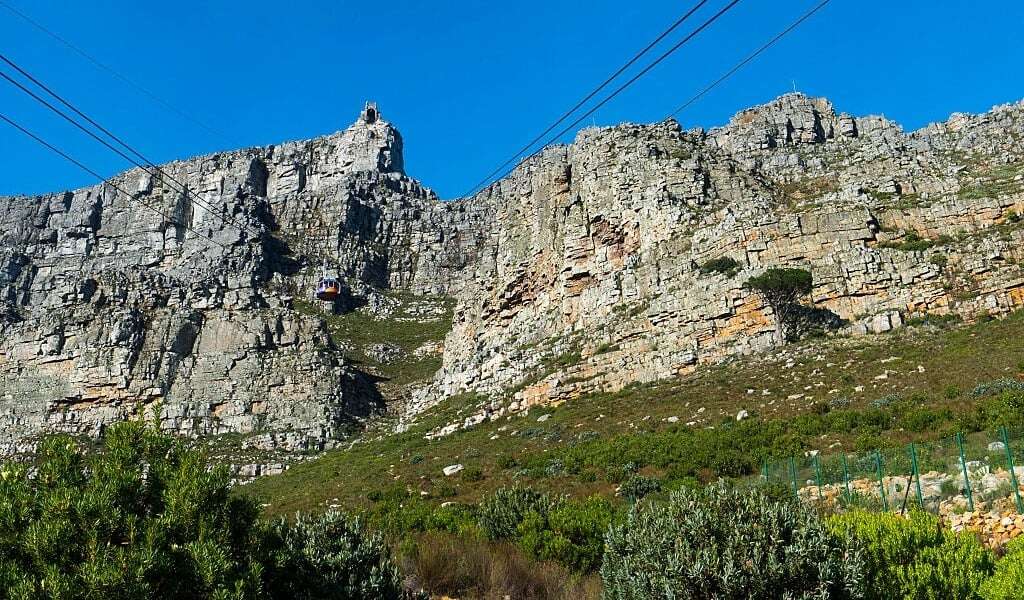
(579, 272)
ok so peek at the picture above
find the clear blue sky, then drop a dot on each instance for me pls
(468, 83)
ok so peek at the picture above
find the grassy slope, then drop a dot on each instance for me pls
(357, 330)
(954, 358)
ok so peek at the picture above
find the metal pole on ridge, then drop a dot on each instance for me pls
(963, 466)
(846, 478)
(916, 474)
(792, 475)
(817, 476)
(881, 484)
(1013, 474)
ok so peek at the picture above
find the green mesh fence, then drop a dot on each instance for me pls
(979, 471)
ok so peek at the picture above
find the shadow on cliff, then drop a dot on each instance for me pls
(814, 321)
(279, 256)
(365, 399)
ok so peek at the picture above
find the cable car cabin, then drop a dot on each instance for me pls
(328, 289)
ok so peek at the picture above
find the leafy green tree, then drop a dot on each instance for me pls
(782, 289)
(1007, 583)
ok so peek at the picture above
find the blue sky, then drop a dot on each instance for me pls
(468, 83)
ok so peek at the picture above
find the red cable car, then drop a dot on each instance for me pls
(328, 288)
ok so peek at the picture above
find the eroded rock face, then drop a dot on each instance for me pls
(579, 272)
(594, 280)
(109, 309)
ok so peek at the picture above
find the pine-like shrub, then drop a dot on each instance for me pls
(914, 557)
(636, 487)
(143, 518)
(719, 542)
(1007, 583)
(330, 557)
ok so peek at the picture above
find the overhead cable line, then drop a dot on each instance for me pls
(749, 58)
(142, 90)
(182, 188)
(628, 83)
(103, 180)
(587, 98)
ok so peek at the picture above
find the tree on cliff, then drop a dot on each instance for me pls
(782, 289)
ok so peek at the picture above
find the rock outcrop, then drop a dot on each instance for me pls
(579, 272)
(173, 289)
(595, 278)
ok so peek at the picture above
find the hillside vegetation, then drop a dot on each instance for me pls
(848, 394)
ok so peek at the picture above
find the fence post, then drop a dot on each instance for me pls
(963, 467)
(846, 478)
(1013, 475)
(917, 474)
(881, 484)
(817, 476)
(792, 474)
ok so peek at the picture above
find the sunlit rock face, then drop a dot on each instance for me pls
(579, 272)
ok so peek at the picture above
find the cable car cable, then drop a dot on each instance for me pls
(619, 90)
(749, 58)
(104, 181)
(167, 105)
(91, 134)
(586, 99)
(182, 188)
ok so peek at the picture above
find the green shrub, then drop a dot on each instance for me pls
(726, 265)
(914, 557)
(1005, 409)
(636, 487)
(724, 543)
(572, 533)
(144, 518)
(1007, 583)
(501, 513)
(330, 557)
(472, 474)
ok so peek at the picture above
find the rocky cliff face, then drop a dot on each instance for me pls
(595, 283)
(579, 272)
(110, 309)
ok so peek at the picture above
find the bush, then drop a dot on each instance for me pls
(144, 518)
(726, 543)
(472, 474)
(567, 531)
(914, 557)
(572, 533)
(723, 264)
(638, 486)
(1006, 409)
(1007, 583)
(501, 513)
(330, 557)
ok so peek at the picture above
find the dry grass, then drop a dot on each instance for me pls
(470, 568)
